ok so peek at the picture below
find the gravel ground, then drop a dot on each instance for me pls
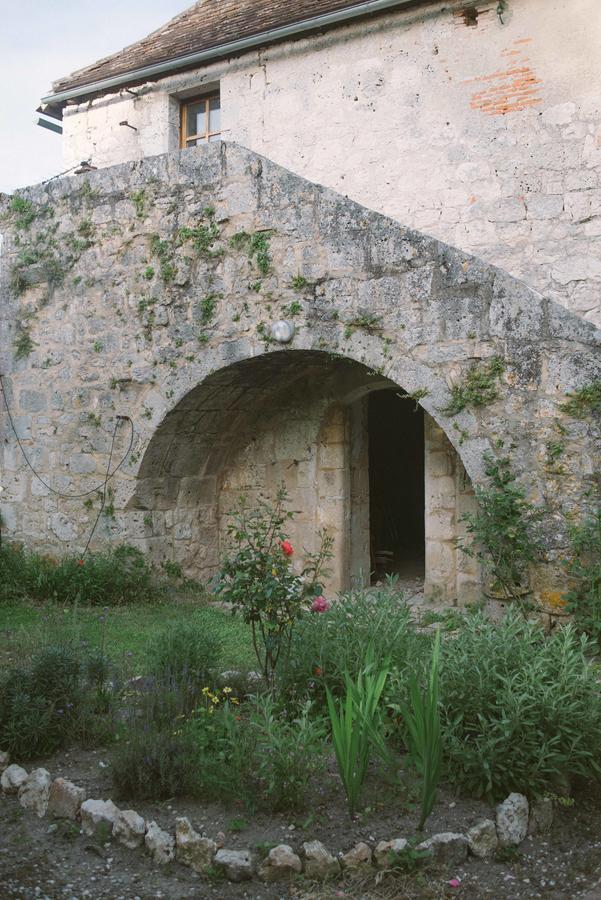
(40, 859)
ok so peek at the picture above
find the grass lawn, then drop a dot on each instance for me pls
(123, 631)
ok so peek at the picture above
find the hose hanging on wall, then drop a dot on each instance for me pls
(100, 488)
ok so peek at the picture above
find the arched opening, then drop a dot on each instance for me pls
(354, 454)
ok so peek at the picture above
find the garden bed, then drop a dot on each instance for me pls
(155, 706)
(40, 859)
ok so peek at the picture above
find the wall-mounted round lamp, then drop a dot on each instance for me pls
(282, 331)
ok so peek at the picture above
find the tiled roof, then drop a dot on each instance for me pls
(207, 24)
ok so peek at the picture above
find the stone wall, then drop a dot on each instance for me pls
(141, 291)
(449, 495)
(481, 132)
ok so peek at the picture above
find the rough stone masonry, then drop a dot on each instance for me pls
(149, 289)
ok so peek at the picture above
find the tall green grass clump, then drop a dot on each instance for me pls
(423, 733)
(356, 721)
(187, 651)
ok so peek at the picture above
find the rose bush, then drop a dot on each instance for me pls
(258, 579)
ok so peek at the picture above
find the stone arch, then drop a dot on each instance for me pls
(296, 418)
(126, 332)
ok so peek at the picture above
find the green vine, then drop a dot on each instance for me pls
(24, 344)
(139, 201)
(504, 533)
(369, 322)
(25, 211)
(479, 387)
(164, 251)
(202, 236)
(300, 283)
(256, 246)
(292, 309)
(584, 401)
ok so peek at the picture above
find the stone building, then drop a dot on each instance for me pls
(411, 188)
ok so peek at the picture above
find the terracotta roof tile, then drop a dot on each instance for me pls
(207, 24)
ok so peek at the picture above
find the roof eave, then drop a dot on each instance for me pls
(53, 103)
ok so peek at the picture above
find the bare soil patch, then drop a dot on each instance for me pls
(62, 863)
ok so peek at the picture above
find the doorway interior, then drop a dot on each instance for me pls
(396, 486)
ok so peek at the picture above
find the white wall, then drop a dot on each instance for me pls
(486, 136)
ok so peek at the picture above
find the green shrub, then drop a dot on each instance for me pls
(60, 694)
(328, 645)
(584, 600)
(155, 764)
(119, 575)
(221, 750)
(251, 752)
(520, 711)
(286, 754)
(187, 651)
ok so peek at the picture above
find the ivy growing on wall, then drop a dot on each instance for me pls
(584, 401)
(256, 245)
(478, 388)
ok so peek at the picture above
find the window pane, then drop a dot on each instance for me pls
(215, 115)
(191, 143)
(197, 118)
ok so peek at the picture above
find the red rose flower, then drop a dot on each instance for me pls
(286, 548)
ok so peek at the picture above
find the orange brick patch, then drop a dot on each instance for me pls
(507, 90)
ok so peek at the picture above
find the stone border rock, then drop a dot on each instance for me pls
(61, 799)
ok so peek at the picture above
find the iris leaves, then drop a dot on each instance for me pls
(356, 726)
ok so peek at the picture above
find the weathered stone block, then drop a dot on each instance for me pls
(35, 790)
(512, 820)
(281, 864)
(64, 799)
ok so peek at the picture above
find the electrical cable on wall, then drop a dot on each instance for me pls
(100, 488)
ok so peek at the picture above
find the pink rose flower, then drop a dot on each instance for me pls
(319, 605)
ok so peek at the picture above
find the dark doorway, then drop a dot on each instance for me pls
(396, 485)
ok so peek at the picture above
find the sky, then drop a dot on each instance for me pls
(42, 40)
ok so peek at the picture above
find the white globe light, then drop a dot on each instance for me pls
(282, 331)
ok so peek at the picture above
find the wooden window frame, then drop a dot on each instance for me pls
(185, 140)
